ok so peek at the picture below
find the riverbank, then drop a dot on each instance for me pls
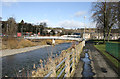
(11, 65)
(8, 52)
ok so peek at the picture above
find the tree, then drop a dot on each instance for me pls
(4, 27)
(112, 17)
(11, 27)
(106, 16)
(21, 25)
(52, 32)
(118, 15)
(42, 27)
(0, 25)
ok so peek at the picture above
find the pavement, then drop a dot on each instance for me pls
(100, 67)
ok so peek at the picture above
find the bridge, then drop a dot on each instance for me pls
(54, 38)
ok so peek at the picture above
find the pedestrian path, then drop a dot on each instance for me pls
(99, 66)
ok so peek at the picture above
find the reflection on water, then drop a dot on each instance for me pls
(15, 63)
(87, 69)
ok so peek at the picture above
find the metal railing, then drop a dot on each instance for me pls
(66, 67)
(54, 37)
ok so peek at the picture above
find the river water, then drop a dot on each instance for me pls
(12, 64)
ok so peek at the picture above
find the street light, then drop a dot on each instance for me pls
(84, 27)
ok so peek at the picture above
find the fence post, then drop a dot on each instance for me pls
(80, 47)
(77, 54)
(67, 63)
(53, 68)
(73, 56)
(34, 66)
(83, 42)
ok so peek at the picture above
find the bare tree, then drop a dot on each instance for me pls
(42, 27)
(119, 14)
(106, 16)
(0, 25)
(21, 25)
(11, 27)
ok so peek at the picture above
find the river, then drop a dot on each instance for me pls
(14, 63)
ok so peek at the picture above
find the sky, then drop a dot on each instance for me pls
(69, 15)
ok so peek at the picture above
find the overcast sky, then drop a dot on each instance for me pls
(56, 14)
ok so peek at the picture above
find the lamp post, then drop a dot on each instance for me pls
(84, 27)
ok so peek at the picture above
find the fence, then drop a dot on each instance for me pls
(113, 49)
(61, 66)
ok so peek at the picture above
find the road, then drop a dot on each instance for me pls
(99, 65)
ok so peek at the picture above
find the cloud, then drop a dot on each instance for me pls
(71, 24)
(45, 20)
(49, 23)
(80, 13)
(68, 24)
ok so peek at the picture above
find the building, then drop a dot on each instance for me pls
(94, 33)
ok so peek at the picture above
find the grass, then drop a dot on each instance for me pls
(49, 41)
(101, 47)
(60, 69)
(55, 61)
(106, 41)
(15, 43)
(114, 42)
(111, 41)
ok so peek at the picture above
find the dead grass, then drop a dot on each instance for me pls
(62, 41)
(14, 43)
(51, 63)
(25, 43)
(49, 41)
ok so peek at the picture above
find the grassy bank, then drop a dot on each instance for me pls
(101, 41)
(101, 47)
(109, 41)
(49, 41)
(16, 43)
